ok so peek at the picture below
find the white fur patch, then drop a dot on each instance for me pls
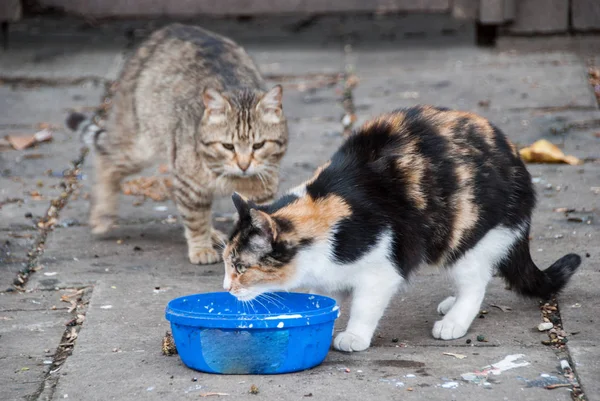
(471, 274)
(373, 280)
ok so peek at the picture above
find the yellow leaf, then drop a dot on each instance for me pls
(543, 151)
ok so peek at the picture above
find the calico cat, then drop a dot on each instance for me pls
(196, 99)
(419, 186)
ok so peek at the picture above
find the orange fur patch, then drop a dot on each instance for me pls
(413, 165)
(395, 120)
(466, 212)
(259, 275)
(314, 218)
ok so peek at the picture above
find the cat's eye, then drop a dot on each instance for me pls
(259, 145)
(240, 269)
(228, 146)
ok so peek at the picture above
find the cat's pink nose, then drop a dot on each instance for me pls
(243, 165)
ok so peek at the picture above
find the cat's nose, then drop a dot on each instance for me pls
(244, 164)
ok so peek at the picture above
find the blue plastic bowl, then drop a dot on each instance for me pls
(216, 333)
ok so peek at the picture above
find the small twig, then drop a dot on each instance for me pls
(558, 385)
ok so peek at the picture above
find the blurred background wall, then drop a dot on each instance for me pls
(492, 17)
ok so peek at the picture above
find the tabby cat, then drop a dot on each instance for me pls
(419, 186)
(196, 99)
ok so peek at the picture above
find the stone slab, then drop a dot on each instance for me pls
(585, 15)
(377, 374)
(24, 108)
(21, 377)
(540, 16)
(507, 88)
(181, 8)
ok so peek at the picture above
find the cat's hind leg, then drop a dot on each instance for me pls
(108, 176)
(471, 274)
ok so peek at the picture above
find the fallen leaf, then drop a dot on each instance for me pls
(163, 168)
(212, 394)
(543, 151)
(155, 188)
(21, 142)
(563, 210)
(458, 356)
(16, 235)
(35, 195)
(168, 345)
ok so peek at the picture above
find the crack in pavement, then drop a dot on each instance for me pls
(66, 345)
(557, 339)
(46, 224)
(29, 82)
(70, 182)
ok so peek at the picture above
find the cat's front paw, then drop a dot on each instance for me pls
(448, 329)
(102, 224)
(204, 256)
(446, 305)
(350, 342)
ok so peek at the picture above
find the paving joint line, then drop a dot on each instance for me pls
(29, 82)
(558, 340)
(65, 347)
(70, 182)
(47, 223)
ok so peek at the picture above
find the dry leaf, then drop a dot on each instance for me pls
(563, 210)
(458, 356)
(21, 142)
(211, 394)
(163, 168)
(168, 345)
(543, 151)
(155, 188)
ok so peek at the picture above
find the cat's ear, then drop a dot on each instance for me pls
(243, 206)
(264, 223)
(216, 106)
(270, 105)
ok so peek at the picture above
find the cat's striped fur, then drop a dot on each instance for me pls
(419, 186)
(196, 99)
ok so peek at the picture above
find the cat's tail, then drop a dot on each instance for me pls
(88, 131)
(527, 279)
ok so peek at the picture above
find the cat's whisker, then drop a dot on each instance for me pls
(269, 300)
(263, 180)
(263, 305)
(273, 300)
(251, 303)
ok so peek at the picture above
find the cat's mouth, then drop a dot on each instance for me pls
(245, 295)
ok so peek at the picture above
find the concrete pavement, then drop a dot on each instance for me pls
(103, 342)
